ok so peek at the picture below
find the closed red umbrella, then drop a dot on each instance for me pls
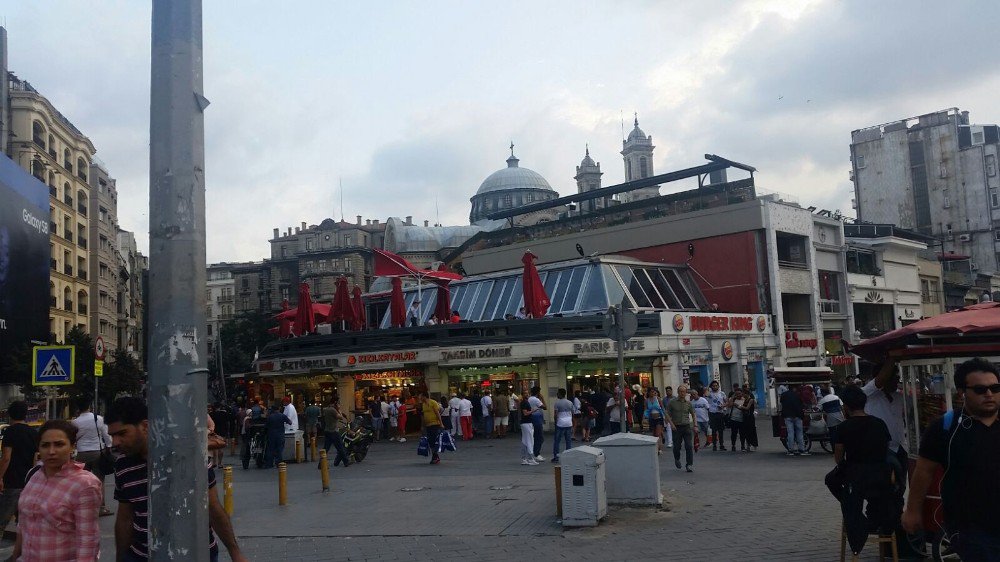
(305, 319)
(442, 309)
(536, 301)
(360, 320)
(397, 308)
(342, 310)
(284, 322)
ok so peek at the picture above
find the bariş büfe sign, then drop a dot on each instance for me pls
(721, 323)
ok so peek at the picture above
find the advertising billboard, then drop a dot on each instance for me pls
(24, 257)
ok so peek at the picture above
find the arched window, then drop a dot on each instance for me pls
(643, 170)
(81, 202)
(52, 294)
(81, 168)
(628, 170)
(38, 169)
(52, 180)
(81, 302)
(67, 161)
(52, 146)
(38, 133)
(67, 299)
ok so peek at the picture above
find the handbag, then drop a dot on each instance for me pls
(106, 461)
(423, 447)
(215, 441)
(446, 442)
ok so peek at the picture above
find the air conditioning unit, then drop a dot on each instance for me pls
(964, 237)
(973, 266)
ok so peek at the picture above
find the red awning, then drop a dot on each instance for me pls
(977, 318)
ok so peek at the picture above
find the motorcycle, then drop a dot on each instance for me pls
(254, 445)
(358, 438)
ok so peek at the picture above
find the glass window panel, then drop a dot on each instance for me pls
(616, 291)
(428, 299)
(594, 295)
(503, 305)
(559, 293)
(549, 282)
(573, 290)
(664, 288)
(679, 289)
(456, 296)
(638, 295)
(642, 275)
(476, 310)
(516, 296)
(468, 297)
(491, 303)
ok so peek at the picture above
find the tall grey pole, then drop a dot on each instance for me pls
(620, 341)
(178, 479)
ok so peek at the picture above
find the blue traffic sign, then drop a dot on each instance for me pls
(53, 365)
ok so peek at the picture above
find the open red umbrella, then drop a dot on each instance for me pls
(982, 318)
(342, 310)
(321, 312)
(305, 319)
(397, 308)
(536, 302)
(360, 321)
(442, 309)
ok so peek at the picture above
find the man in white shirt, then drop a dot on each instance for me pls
(614, 413)
(465, 417)
(487, 404)
(454, 406)
(91, 437)
(291, 414)
(885, 401)
(413, 314)
(537, 421)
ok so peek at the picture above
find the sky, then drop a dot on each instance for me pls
(411, 105)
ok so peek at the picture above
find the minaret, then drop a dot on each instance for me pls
(588, 178)
(637, 152)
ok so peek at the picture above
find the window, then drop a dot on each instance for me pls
(943, 170)
(791, 250)
(309, 244)
(928, 291)
(643, 168)
(347, 240)
(863, 262)
(860, 160)
(284, 251)
(506, 200)
(994, 199)
(208, 329)
(829, 291)
(628, 170)
(991, 165)
(996, 235)
(947, 202)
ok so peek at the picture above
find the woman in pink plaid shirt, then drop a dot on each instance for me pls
(57, 512)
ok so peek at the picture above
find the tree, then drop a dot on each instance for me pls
(240, 339)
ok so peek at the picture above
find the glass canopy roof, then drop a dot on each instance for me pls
(575, 288)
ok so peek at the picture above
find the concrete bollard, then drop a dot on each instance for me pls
(227, 487)
(298, 451)
(558, 474)
(312, 448)
(324, 470)
(232, 447)
(282, 483)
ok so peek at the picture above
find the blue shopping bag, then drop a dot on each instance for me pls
(446, 442)
(423, 448)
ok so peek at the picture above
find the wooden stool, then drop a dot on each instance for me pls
(879, 541)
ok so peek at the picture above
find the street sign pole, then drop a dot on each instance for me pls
(620, 332)
(178, 475)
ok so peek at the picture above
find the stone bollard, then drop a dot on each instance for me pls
(298, 451)
(324, 470)
(227, 487)
(312, 448)
(282, 483)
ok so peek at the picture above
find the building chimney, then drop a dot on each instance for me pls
(289, 231)
(374, 222)
(427, 223)
(359, 220)
(296, 230)
(965, 117)
(409, 219)
(368, 222)
(303, 225)
(276, 231)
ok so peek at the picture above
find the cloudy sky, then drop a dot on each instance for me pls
(412, 105)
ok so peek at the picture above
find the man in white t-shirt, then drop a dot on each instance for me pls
(700, 405)
(487, 404)
(563, 410)
(385, 418)
(465, 417)
(885, 402)
(537, 421)
(454, 405)
(614, 410)
(291, 414)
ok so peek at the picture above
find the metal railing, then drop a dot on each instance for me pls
(82, 242)
(81, 308)
(53, 191)
(793, 264)
(81, 274)
(68, 200)
(82, 209)
(68, 235)
(68, 305)
(829, 307)
(81, 174)
(68, 269)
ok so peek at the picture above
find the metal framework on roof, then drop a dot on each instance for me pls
(701, 172)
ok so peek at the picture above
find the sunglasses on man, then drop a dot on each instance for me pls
(982, 388)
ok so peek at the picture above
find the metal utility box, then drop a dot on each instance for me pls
(633, 468)
(290, 440)
(584, 494)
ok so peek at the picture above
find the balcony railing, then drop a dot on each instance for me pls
(798, 327)
(80, 174)
(81, 274)
(81, 308)
(82, 242)
(53, 191)
(82, 209)
(829, 307)
(52, 153)
(68, 305)
(68, 200)
(39, 141)
(793, 264)
(68, 235)
(68, 165)
(224, 298)
(68, 269)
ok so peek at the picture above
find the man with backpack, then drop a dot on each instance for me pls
(966, 445)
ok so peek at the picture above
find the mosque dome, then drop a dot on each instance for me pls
(513, 177)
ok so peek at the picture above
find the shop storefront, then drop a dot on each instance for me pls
(474, 380)
(591, 375)
(387, 384)
(696, 368)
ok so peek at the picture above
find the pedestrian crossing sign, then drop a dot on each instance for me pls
(53, 365)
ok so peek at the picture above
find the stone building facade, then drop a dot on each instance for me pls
(105, 263)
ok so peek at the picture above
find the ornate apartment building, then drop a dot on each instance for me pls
(105, 264)
(46, 144)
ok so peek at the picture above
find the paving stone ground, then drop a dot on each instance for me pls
(482, 504)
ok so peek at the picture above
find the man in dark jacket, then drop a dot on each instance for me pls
(274, 426)
(792, 411)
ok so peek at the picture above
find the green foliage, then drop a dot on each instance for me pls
(241, 338)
